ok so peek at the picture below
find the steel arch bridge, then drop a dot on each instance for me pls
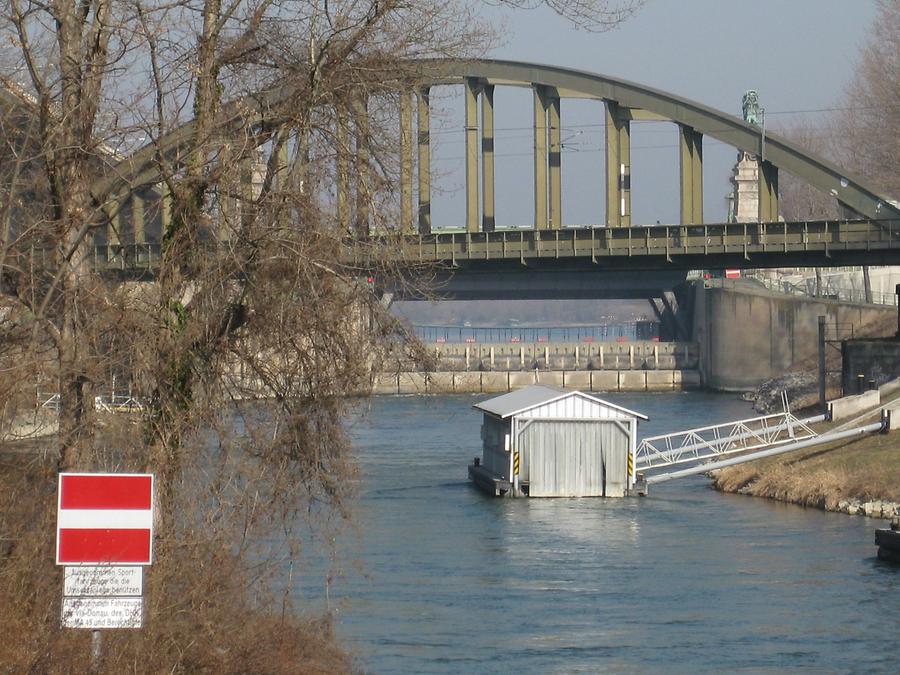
(871, 236)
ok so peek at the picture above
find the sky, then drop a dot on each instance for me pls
(798, 54)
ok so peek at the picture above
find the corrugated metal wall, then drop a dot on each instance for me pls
(563, 458)
(577, 407)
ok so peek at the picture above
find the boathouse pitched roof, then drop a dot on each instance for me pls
(522, 400)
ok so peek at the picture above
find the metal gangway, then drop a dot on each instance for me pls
(112, 403)
(720, 440)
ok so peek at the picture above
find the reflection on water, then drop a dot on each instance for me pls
(684, 580)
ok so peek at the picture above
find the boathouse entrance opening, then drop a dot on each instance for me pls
(574, 458)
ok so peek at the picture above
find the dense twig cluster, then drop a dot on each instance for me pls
(247, 143)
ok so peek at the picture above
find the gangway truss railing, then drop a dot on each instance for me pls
(703, 443)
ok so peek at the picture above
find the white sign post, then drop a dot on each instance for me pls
(104, 535)
(103, 581)
(95, 613)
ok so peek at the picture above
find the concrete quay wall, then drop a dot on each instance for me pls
(492, 382)
(747, 334)
(562, 356)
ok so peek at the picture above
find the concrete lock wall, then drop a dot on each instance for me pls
(747, 335)
(637, 355)
(449, 382)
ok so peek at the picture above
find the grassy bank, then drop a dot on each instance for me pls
(862, 470)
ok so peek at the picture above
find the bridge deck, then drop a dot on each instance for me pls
(747, 245)
(666, 242)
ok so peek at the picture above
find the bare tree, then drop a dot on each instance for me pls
(245, 346)
(869, 124)
(205, 135)
(593, 15)
(798, 199)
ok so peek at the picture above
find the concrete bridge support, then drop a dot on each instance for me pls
(673, 311)
(618, 166)
(691, 162)
(748, 334)
(768, 192)
(488, 213)
(472, 88)
(540, 159)
(424, 144)
(406, 164)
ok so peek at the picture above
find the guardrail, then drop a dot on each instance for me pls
(841, 295)
(113, 403)
(719, 440)
(590, 242)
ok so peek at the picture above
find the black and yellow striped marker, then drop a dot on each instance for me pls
(516, 462)
(630, 464)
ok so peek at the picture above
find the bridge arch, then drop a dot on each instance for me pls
(625, 101)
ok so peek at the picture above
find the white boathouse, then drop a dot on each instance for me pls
(546, 442)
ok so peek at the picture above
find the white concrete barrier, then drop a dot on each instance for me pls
(892, 416)
(848, 406)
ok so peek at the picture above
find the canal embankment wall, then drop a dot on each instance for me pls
(747, 334)
(589, 366)
(492, 382)
(559, 356)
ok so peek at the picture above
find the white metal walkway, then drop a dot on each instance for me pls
(706, 443)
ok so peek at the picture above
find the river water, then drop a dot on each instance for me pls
(437, 578)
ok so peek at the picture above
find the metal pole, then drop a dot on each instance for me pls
(96, 645)
(897, 291)
(822, 402)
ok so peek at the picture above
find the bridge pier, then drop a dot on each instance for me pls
(768, 192)
(471, 94)
(691, 162)
(488, 217)
(406, 161)
(555, 159)
(540, 158)
(618, 166)
(424, 143)
(114, 220)
(137, 218)
(363, 179)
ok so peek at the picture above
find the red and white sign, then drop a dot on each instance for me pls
(104, 518)
(732, 274)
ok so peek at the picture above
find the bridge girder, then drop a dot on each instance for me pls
(625, 101)
(649, 103)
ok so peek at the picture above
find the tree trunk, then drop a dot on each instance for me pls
(76, 400)
(867, 284)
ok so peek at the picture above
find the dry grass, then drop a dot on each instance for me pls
(866, 469)
(204, 613)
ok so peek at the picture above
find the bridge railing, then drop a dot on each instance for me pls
(668, 242)
(704, 443)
